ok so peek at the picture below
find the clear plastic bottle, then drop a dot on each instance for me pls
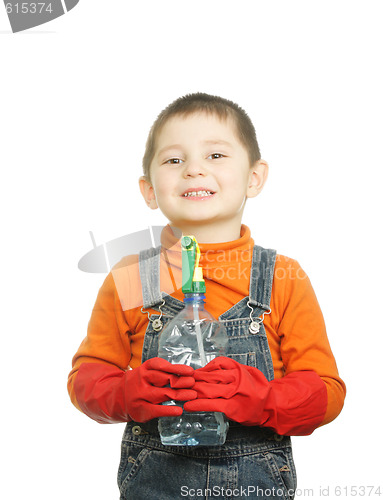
(193, 337)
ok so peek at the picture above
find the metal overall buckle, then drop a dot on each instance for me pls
(255, 324)
(156, 323)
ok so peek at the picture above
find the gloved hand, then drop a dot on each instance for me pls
(148, 385)
(238, 391)
(108, 395)
(293, 405)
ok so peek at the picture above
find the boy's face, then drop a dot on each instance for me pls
(200, 174)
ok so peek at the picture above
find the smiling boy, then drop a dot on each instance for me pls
(201, 175)
(279, 377)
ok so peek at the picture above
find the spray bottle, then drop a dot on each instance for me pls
(193, 337)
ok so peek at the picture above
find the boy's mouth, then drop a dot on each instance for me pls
(197, 193)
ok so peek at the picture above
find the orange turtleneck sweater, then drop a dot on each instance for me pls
(295, 328)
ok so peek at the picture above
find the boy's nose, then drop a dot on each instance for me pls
(194, 168)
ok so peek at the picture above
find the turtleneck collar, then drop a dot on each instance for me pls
(212, 254)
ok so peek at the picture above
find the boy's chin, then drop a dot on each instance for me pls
(194, 221)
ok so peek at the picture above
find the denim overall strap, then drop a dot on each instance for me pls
(153, 298)
(149, 266)
(261, 281)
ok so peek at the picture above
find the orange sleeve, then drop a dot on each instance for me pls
(107, 339)
(304, 344)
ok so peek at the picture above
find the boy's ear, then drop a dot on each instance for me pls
(257, 178)
(148, 193)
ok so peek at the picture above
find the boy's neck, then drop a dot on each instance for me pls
(218, 233)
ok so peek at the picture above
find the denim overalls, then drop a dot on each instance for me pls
(254, 462)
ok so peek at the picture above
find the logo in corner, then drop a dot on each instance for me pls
(26, 15)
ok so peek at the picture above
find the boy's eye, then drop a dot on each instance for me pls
(174, 161)
(216, 156)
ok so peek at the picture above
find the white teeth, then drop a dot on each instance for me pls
(197, 193)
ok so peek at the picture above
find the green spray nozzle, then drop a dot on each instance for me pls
(192, 275)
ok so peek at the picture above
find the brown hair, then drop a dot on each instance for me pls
(200, 102)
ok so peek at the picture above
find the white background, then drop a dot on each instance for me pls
(78, 96)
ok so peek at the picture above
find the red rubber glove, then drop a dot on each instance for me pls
(292, 405)
(108, 395)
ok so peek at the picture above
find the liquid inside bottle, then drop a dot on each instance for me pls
(193, 338)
